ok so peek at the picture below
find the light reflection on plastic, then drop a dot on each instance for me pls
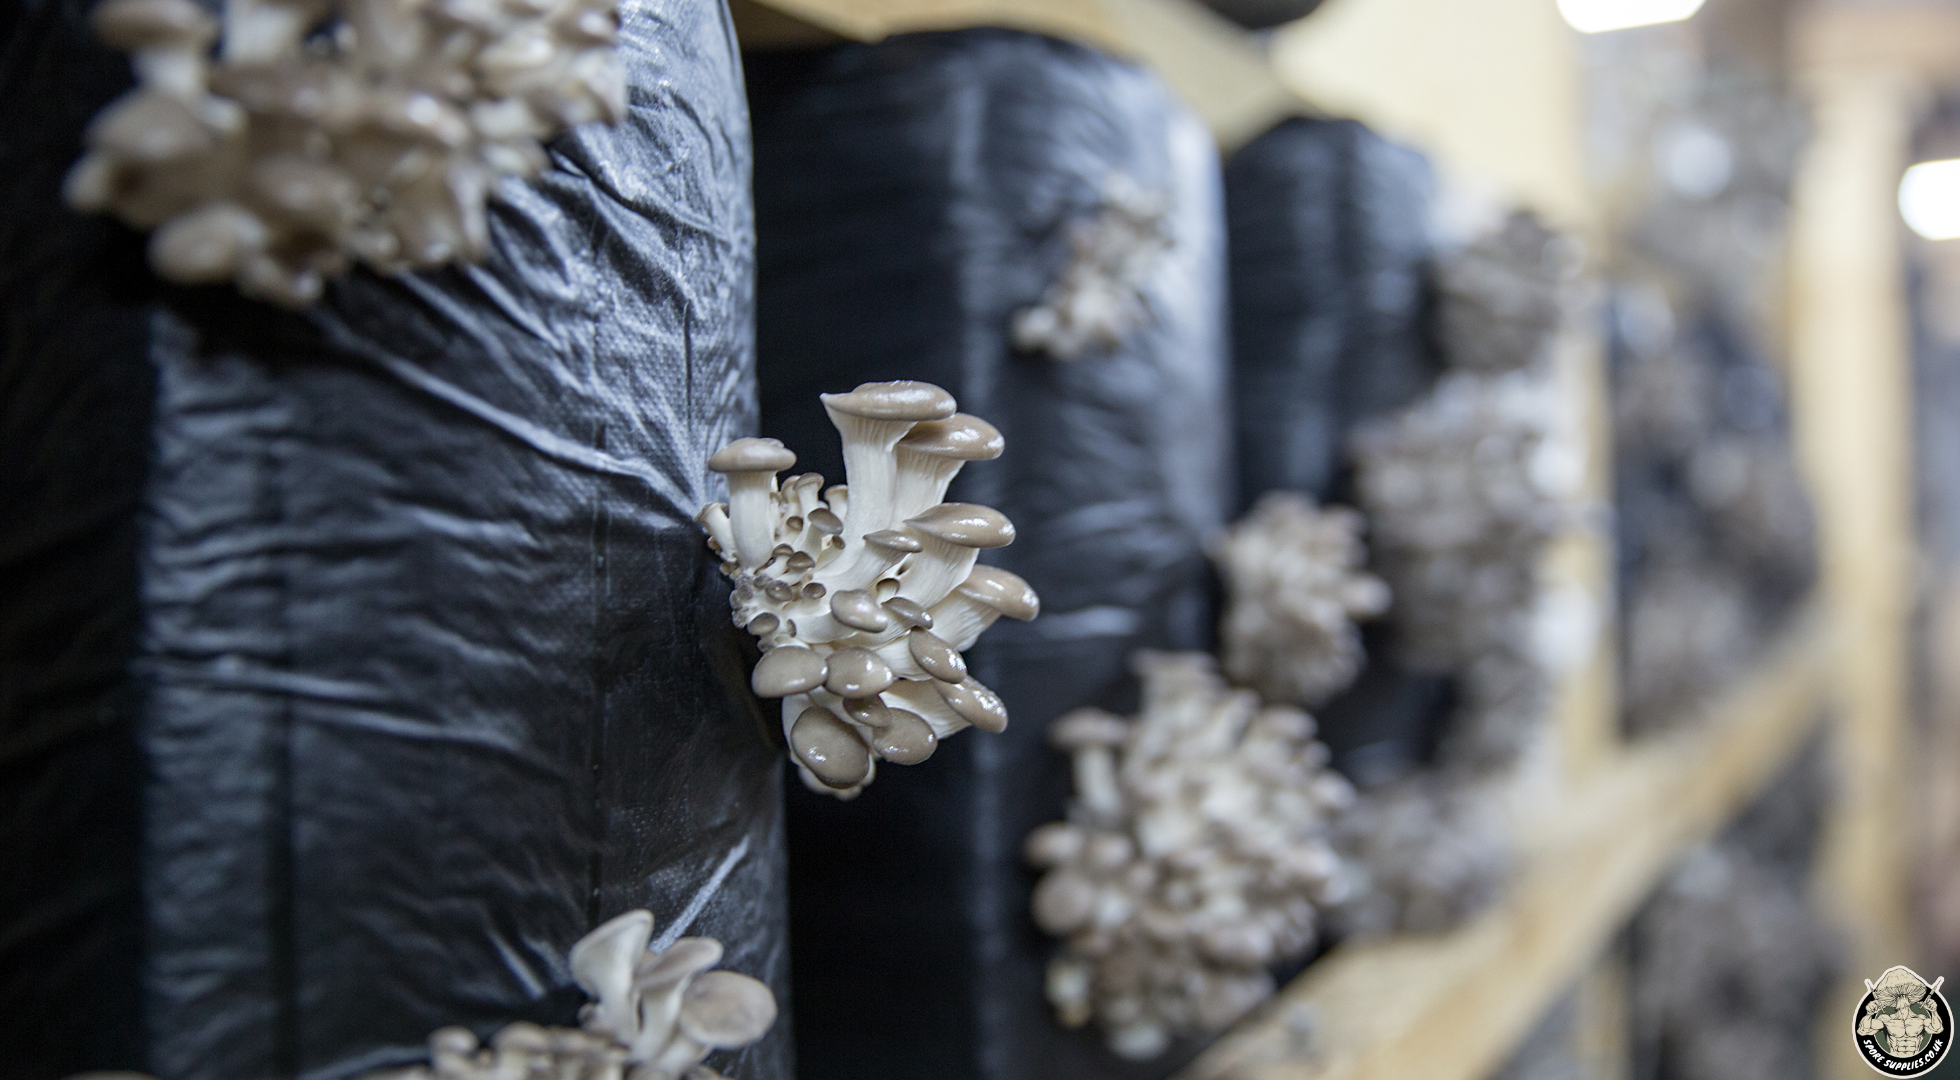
(1929, 199)
(1598, 16)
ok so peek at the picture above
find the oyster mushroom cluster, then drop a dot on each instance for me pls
(1464, 492)
(318, 133)
(864, 595)
(1503, 295)
(1196, 853)
(1295, 589)
(655, 1016)
(1100, 298)
(1426, 852)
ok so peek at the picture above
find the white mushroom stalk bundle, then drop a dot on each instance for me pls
(655, 1016)
(1100, 298)
(278, 146)
(1464, 493)
(1295, 589)
(863, 596)
(1503, 295)
(1196, 853)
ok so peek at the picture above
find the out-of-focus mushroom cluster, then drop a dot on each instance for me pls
(1295, 589)
(1717, 538)
(1196, 853)
(863, 595)
(1502, 295)
(1427, 852)
(1464, 493)
(655, 1016)
(319, 133)
(1099, 299)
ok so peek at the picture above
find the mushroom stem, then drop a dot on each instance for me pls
(1095, 782)
(939, 566)
(922, 480)
(870, 470)
(751, 515)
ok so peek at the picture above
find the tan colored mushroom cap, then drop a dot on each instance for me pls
(975, 704)
(752, 455)
(859, 610)
(130, 25)
(902, 400)
(786, 670)
(725, 1009)
(829, 748)
(966, 524)
(1003, 591)
(939, 659)
(906, 740)
(960, 436)
(857, 673)
(909, 612)
(893, 540)
(1087, 727)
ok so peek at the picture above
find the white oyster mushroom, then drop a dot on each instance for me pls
(1465, 491)
(655, 1016)
(1196, 853)
(1504, 295)
(864, 596)
(321, 133)
(1100, 297)
(1295, 589)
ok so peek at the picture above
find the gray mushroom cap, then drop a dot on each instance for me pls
(975, 704)
(909, 613)
(857, 673)
(786, 670)
(936, 657)
(1087, 727)
(752, 455)
(859, 610)
(901, 400)
(1003, 591)
(960, 437)
(130, 25)
(966, 524)
(725, 1009)
(829, 748)
(893, 540)
(906, 739)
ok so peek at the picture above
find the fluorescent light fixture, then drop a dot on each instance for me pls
(1597, 16)
(1929, 198)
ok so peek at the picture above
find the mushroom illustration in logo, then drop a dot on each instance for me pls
(1902, 1024)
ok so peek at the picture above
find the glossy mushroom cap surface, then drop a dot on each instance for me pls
(901, 400)
(752, 455)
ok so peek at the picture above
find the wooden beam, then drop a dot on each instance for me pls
(1453, 1006)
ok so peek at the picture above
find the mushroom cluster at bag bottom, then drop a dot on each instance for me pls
(864, 595)
(1197, 852)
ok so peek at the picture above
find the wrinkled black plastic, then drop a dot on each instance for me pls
(910, 197)
(1332, 314)
(391, 614)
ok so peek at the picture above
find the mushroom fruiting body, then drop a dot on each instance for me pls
(1504, 295)
(863, 596)
(1100, 297)
(1196, 853)
(1465, 491)
(1295, 589)
(326, 132)
(655, 1016)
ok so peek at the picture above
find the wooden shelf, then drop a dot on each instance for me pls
(1453, 1006)
(1217, 68)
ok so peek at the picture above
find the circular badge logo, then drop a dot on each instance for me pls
(1903, 1024)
